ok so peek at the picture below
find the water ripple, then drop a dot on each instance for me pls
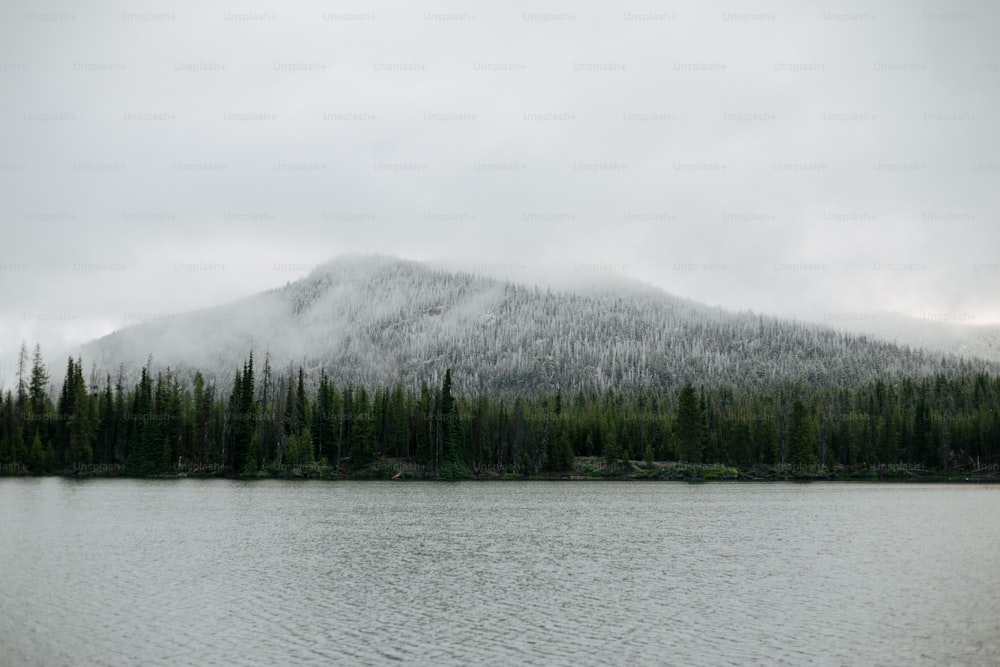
(226, 573)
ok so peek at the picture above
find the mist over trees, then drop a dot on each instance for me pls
(376, 321)
(369, 360)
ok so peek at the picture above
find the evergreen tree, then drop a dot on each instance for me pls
(18, 450)
(889, 436)
(246, 424)
(5, 455)
(36, 455)
(398, 422)
(157, 434)
(306, 456)
(923, 435)
(337, 423)
(362, 432)
(39, 405)
(82, 426)
(202, 419)
(690, 424)
(517, 436)
(106, 425)
(233, 417)
(673, 447)
(649, 457)
(742, 447)
(252, 463)
(301, 402)
(422, 427)
(323, 424)
(22, 384)
(290, 418)
(452, 466)
(801, 436)
(144, 429)
(612, 450)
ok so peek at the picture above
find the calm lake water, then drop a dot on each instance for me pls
(214, 572)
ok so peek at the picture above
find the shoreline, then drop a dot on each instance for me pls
(366, 476)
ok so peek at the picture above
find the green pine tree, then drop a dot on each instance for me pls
(362, 448)
(36, 455)
(801, 436)
(452, 464)
(649, 457)
(690, 424)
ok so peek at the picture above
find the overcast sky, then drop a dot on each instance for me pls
(820, 160)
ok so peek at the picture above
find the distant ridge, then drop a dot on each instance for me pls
(937, 332)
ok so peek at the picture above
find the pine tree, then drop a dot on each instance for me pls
(202, 418)
(290, 418)
(516, 449)
(889, 437)
(301, 402)
(6, 454)
(157, 434)
(82, 426)
(233, 418)
(19, 454)
(106, 424)
(251, 465)
(362, 432)
(346, 423)
(22, 385)
(38, 401)
(673, 447)
(560, 451)
(292, 450)
(690, 424)
(399, 424)
(422, 424)
(141, 454)
(710, 449)
(306, 456)
(246, 424)
(649, 457)
(923, 436)
(322, 426)
(452, 465)
(801, 436)
(36, 455)
(742, 448)
(612, 450)
(64, 412)
(337, 423)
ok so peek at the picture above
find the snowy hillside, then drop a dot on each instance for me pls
(378, 320)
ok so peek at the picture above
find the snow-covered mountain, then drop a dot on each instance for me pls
(380, 320)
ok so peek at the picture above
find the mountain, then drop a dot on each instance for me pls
(381, 320)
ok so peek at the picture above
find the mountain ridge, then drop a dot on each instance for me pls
(383, 320)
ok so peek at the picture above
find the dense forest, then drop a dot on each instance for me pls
(376, 322)
(269, 422)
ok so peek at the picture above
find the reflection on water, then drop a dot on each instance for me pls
(213, 572)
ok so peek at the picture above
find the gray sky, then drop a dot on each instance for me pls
(815, 160)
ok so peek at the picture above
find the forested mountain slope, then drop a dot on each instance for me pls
(379, 321)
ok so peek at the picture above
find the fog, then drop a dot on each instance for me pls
(830, 164)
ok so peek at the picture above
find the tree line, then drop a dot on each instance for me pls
(269, 420)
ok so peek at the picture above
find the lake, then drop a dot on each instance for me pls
(218, 572)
